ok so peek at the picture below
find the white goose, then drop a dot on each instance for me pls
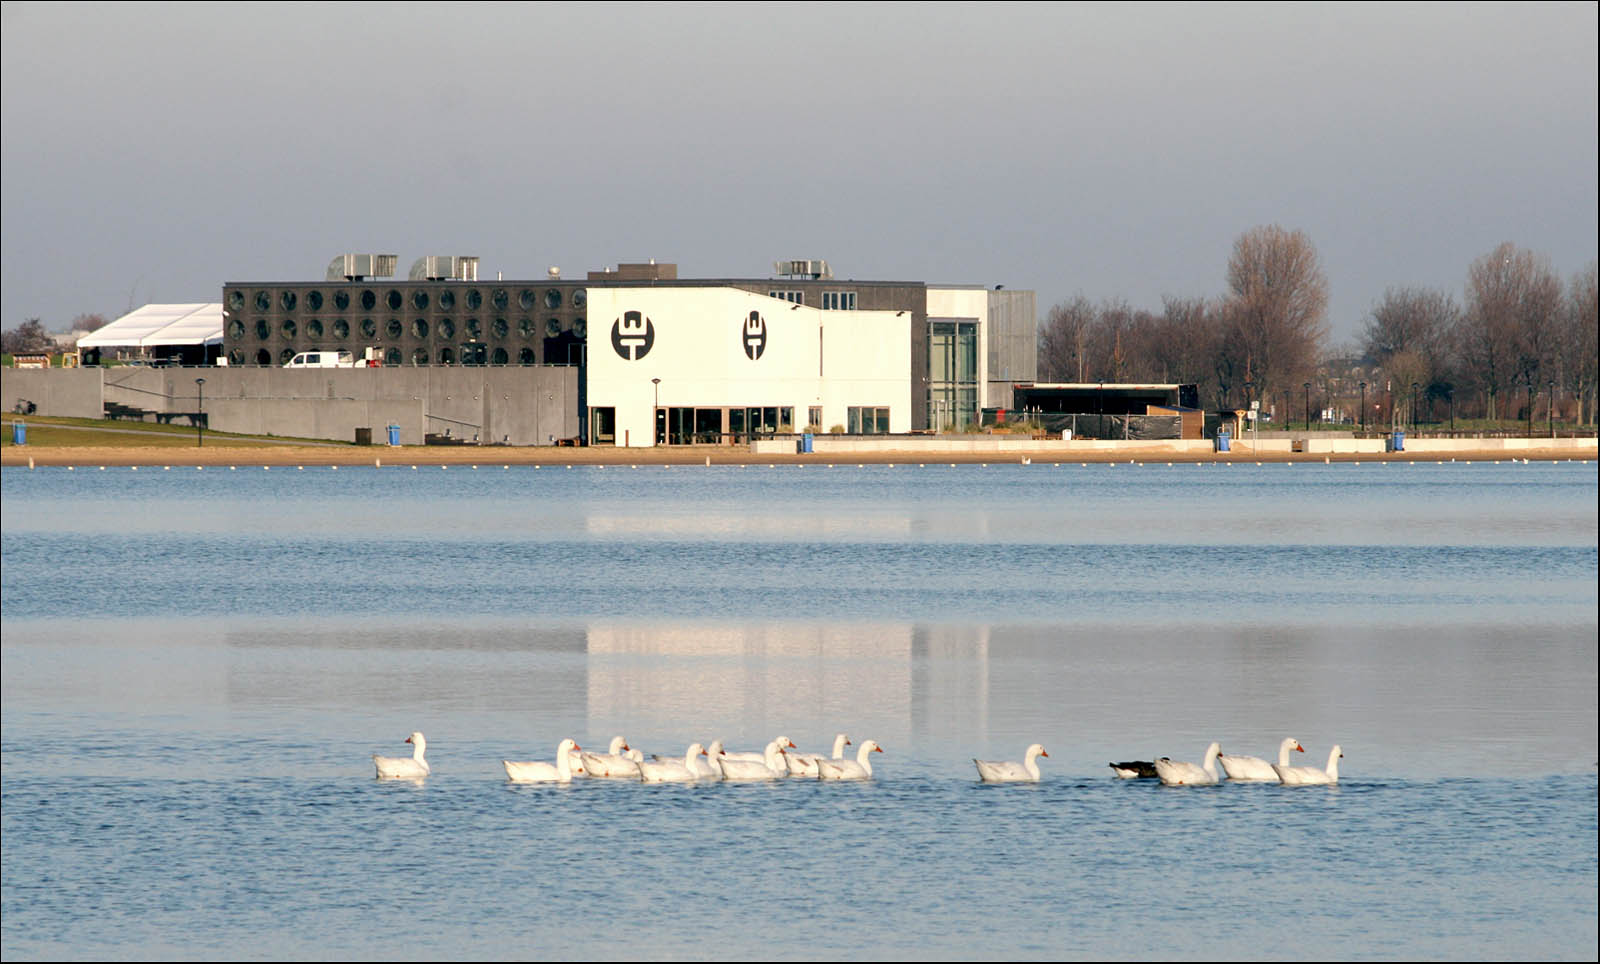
(560, 771)
(754, 757)
(673, 771)
(412, 767)
(805, 764)
(858, 769)
(1177, 774)
(1009, 771)
(770, 768)
(1255, 768)
(703, 768)
(1310, 776)
(612, 765)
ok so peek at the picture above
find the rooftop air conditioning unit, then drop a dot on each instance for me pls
(445, 267)
(356, 267)
(815, 270)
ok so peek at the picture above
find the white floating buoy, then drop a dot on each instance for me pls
(300, 468)
(166, 468)
(233, 468)
(474, 468)
(334, 467)
(102, 468)
(413, 468)
(72, 468)
(199, 468)
(30, 465)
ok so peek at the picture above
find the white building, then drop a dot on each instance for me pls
(685, 364)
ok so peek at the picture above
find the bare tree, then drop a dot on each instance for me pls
(1414, 320)
(1507, 332)
(1275, 317)
(1064, 340)
(89, 322)
(28, 336)
(1580, 357)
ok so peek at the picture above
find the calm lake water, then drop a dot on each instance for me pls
(196, 667)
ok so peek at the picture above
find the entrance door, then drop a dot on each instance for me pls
(603, 426)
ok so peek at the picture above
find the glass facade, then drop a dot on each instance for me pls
(952, 374)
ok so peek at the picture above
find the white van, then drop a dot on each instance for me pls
(321, 359)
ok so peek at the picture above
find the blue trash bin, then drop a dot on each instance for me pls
(394, 435)
(1399, 440)
(1223, 438)
(19, 433)
(805, 443)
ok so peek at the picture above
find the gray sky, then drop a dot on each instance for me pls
(152, 153)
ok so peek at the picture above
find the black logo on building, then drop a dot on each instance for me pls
(754, 336)
(632, 335)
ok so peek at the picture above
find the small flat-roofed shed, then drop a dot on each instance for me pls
(1118, 409)
(1103, 398)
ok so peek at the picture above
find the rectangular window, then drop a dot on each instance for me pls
(815, 418)
(795, 297)
(867, 420)
(838, 301)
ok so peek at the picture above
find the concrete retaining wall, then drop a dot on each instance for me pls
(68, 392)
(1577, 446)
(531, 405)
(933, 445)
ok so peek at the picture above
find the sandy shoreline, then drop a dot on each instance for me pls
(225, 455)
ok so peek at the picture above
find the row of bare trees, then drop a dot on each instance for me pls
(1520, 334)
(1263, 336)
(1520, 328)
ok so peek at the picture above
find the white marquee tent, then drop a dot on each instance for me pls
(156, 326)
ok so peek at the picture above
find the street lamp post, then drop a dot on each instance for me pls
(1363, 408)
(1250, 413)
(200, 417)
(655, 414)
(1308, 406)
(1414, 388)
(1530, 408)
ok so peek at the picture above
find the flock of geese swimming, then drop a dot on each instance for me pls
(775, 762)
(1250, 769)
